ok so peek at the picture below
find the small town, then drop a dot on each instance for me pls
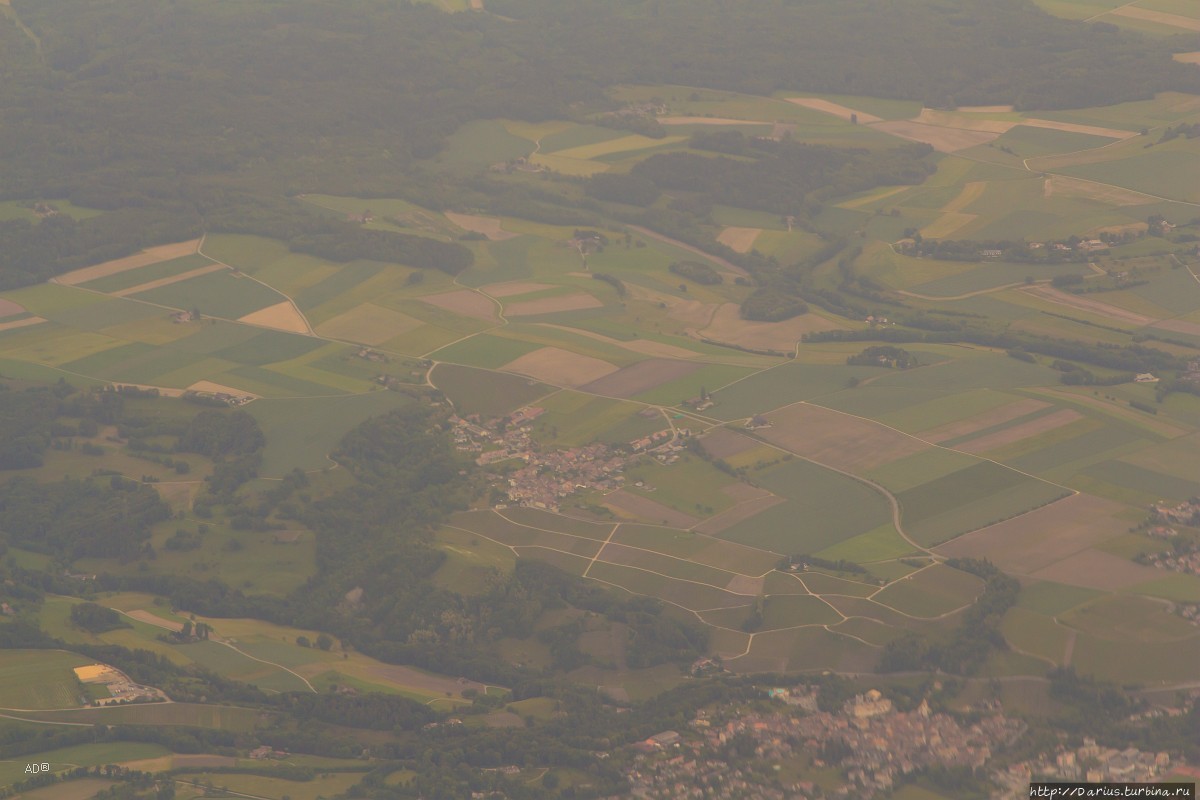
(873, 745)
(549, 476)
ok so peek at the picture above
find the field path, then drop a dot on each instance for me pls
(225, 791)
(264, 661)
(308, 326)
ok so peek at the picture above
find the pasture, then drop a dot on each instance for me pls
(40, 679)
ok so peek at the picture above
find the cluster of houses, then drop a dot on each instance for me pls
(876, 746)
(1185, 513)
(1091, 763)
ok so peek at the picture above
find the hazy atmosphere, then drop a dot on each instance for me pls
(746, 399)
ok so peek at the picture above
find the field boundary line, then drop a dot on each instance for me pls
(272, 663)
(288, 298)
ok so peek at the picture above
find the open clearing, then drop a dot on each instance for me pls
(217, 388)
(141, 615)
(945, 140)
(978, 422)
(951, 119)
(510, 288)
(739, 239)
(8, 308)
(1161, 17)
(552, 305)
(369, 324)
(167, 281)
(728, 326)
(1017, 433)
(1093, 569)
(488, 226)
(20, 323)
(838, 110)
(1065, 186)
(465, 302)
(1084, 304)
(649, 510)
(281, 317)
(646, 347)
(151, 255)
(560, 367)
(1030, 542)
(839, 440)
(1188, 58)
(1071, 127)
(641, 377)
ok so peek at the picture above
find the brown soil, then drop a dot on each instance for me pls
(642, 346)
(1018, 432)
(369, 324)
(1097, 570)
(281, 317)
(488, 226)
(1084, 304)
(728, 326)
(151, 255)
(552, 305)
(649, 510)
(722, 522)
(1071, 127)
(945, 140)
(465, 302)
(839, 440)
(8, 308)
(740, 240)
(511, 288)
(838, 110)
(1179, 326)
(560, 367)
(950, 119)
(20, 323)
(209, 386)
(1161, 17)
(723, 443)
(183, 276)
(996, 416)
(1025, 544)
(641, 377)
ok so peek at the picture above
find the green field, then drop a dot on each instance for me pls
(218, 294)
(489, 394)
(39, 679)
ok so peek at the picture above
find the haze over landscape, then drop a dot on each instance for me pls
(598, 399)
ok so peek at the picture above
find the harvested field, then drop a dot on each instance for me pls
(838, 110)
(488, 226)
(839, 440)
(945, 140)
(949, 223)
(714, 526)
(971, 192)
(1160, 17)
(1188, 58)
(689, 312)
(649, 510)
(1016, 433)
(744, 584)
(151, 255)
(1071, 127)
(202, 760)
(644, 346)
(728, 326)
(510, 288)
(1096, 570)
(985, 109)
(996, 416)
(1084, 304)
(167, 281)
(209, 386)
(1179, 326)
(1025, 544)
(8, 308)
(560, 367)
(552, 305)
(20, 323)
(281, 317)
(640, 377)
(141, 615)
(741, 492)
(949, 119)
(465, 302)
(1090, 190)
(369, 324)
(723, 443)
(739, 239)
(709, 121)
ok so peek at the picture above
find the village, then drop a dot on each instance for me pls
(1091, 762)
(550, 475)
(874, 746)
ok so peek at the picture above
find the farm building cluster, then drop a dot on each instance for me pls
(120, 688)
